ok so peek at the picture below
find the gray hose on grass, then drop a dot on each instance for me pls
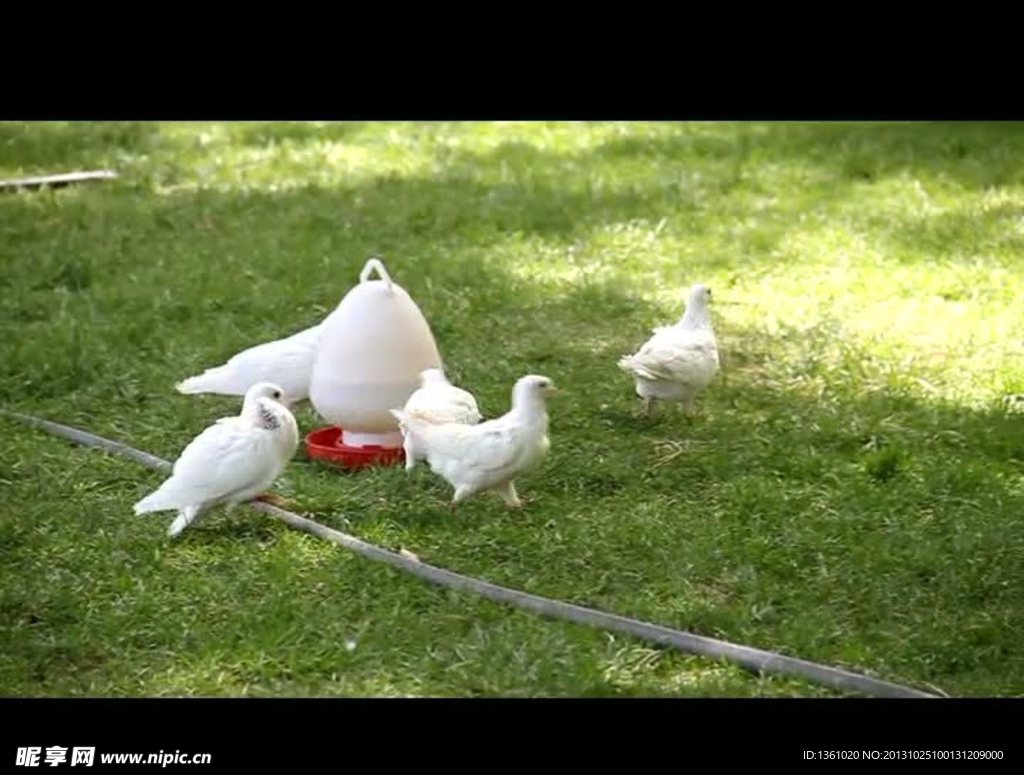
(750, 658)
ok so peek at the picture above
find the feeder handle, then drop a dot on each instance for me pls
(375, 263)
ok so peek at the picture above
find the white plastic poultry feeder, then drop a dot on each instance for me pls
(371, 352)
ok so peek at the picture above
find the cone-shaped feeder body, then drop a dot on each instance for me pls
(371, 352)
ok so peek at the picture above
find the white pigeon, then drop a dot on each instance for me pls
(678, 361)
(286, 362)
(233, 460)
(437, 401)
(488, 456)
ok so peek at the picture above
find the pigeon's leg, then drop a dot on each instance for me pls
(648, 406)
(689, 409)
(460, 494)
(508, 494)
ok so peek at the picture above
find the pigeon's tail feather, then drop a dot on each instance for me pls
(405, 419)
(629, 363)
(161, 500)
(409, 422)
(221, 380)
(185, 518)
(411, 453)
(626, 363)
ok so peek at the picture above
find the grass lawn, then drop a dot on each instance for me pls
(851, 493)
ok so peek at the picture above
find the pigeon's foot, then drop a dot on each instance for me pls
(507, 492)
(692, 412)
(646, 411)
(273, 499)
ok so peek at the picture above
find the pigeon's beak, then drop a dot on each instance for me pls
(550, 390)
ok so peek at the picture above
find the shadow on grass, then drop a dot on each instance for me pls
(54, 147)
(969, 233)
(451, 213)
(263, 133)
(975, 154)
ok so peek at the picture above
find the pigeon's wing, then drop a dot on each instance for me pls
(464, 404)
(488, 447)
(297, 344)
(226, 458)
(439, 414)
(287, 362)
(678, 356)
(443, 404)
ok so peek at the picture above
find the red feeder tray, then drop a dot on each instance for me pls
(325, 444)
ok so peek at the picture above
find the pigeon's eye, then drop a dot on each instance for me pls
(277, 394)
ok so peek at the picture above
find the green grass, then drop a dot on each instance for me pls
(852, 493)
